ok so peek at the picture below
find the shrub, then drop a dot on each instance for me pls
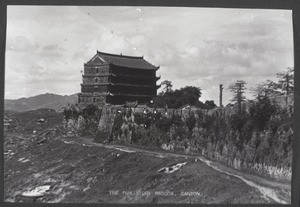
(237, 121)
(208, 122)
(261, 112)
(71, 113)
(176, 120)
(163, 123)
(190, 122)
(90, 112)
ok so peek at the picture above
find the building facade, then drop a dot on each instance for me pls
(115, 79)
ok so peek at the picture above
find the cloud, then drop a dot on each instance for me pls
(193, 46)
(21, 44)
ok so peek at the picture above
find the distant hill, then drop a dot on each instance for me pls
(48, 100)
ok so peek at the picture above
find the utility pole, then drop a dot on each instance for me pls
(221, 94)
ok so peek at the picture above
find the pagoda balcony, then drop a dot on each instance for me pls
(95, 84)
(135, 85)
(129, 95)
(96, 75)
(136, 76)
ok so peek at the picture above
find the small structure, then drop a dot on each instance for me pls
(130, 104)
(189, 107)
(115, 79)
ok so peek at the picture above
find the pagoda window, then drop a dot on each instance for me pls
(97, 70)
(94, 99)
(96, 79)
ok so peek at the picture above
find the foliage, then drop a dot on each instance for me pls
(208, 122)
(284, 85)
(238, 89)
(286, 81)
(143, 119)
(71, 112)
(163, 123)
(261, 112)
(178, 98)
(209, 105)
(190, 122)
(266, 89)
(168, 86)
(240, 140)
(91, 115)
(237, 121)
(90, 112)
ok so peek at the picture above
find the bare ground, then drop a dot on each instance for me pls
(80, 171)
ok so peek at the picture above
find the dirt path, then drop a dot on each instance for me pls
(271, 191)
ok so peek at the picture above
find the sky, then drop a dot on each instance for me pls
(46, 46)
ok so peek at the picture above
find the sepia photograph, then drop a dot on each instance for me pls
(148, 105)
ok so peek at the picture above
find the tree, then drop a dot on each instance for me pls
(210, 104)
(178, 98)
(190, 94)
(266, 89)
(238, 88)
(168, 86)
(261, 112)
(286, 81)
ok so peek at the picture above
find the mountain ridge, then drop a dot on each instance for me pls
(47, 100)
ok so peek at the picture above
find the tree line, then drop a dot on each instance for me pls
(190, 94)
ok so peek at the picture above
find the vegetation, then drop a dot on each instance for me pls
(90, 116)
(284, 85)
(177, 98)
(238, 89)
(259, 139)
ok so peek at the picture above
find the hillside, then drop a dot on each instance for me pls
(77, 170)
(48, 100)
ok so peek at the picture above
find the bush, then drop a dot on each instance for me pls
(67, 113)
(90, 112)
(190, 122)
(163, 123)
(261, 112)
(71, 113)
(237, 121)
(208, 122)
(176, 120)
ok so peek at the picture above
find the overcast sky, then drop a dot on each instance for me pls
(46, 46)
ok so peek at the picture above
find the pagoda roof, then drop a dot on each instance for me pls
(131, 104)
(121, 60)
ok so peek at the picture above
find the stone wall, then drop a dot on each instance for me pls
(216, 139)
(208, 141)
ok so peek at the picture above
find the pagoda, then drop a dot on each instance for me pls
(117, 79)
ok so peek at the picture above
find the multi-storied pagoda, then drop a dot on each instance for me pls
(117, 79)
